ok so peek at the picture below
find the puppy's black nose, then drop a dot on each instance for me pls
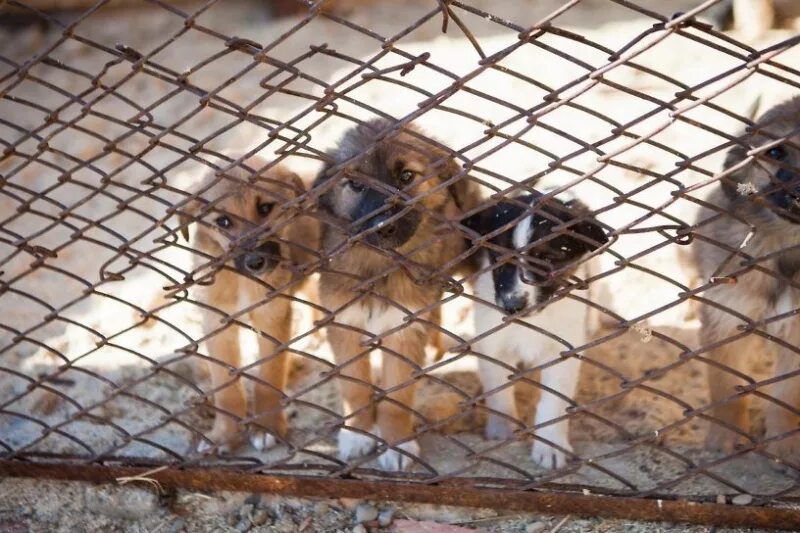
(386, 231)
(255, 262)
(513, 303)
(383, 229)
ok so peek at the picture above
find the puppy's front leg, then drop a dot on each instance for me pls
(722, 385)
(274, 320)
(501, 402)
(353, 360)
(781, 419)
(403, 350)
(223, 348)
(561, 378)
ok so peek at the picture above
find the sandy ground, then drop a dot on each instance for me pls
(34, 505)
(129, 391)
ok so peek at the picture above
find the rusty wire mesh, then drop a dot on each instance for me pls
(119, 138)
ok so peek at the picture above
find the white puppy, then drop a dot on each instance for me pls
(529, 284)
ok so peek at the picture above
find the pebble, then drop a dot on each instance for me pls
(321, 508)
(359, 529)
(232, 519)
(742, 499)
(385, 517)
(366, 513)
(246, 509)
(721, 499)
(280, 511)
(349, 503)
(243, 525)
(535, 527)
(121, 502)
(260, 517)
(177, 526)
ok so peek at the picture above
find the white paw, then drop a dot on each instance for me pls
(546, 456)
(261, 440)
(393, 460)
(353, 444)
(205, 447)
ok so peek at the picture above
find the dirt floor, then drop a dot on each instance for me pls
(36, 505)
(131, 390)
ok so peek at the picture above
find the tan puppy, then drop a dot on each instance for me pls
(752, 254)
(393, 201)
(265, 243)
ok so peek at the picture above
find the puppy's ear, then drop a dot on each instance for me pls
(189, 211)
(184, 221)
(303, 240)
(297, 186)
(463, 190)
(324, 199)
(188, 214)
(303, 233)
(588, 226)
(475, 223)
(592, 230)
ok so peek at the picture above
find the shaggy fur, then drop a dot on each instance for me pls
(267, 243)
(394, 202)
(525, 286)
(757, 278)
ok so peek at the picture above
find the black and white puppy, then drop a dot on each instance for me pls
(546, 255)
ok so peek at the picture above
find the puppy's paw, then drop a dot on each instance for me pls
(499, 428)
(392, 460)
(205, 448)
(721, 440)
(787, 450)
(353, 444)
(261, 440)
(547, 456)
(222, 439)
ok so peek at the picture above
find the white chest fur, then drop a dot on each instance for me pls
(537, 338)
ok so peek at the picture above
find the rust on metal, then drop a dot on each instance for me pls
(452, 492)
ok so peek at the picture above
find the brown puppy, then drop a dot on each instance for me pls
(264, 243)
(396, 204)
(751, 251)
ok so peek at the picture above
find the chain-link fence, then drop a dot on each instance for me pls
(539, 257)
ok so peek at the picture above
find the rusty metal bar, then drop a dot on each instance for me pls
(454, 492)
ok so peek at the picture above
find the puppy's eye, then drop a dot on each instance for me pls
(354, 185)
(224, 222)
(778, 153)
(264, 208)
(406, 176)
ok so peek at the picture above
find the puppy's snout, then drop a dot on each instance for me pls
(382, 224)
(513, 303)
(386, 229)
(255, 262)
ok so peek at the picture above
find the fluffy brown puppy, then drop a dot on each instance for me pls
(751, 252)
(266, 243)
(395, 201)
